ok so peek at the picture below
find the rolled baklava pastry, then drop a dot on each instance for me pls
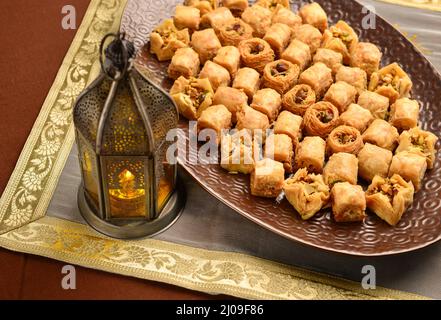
(259, 18)
(377, 104)
(341, 167)
(280, 148)
(348, 202)
(232, 98)
(309, 35)
(389, 198)
(206, 44)
(267, 101)
(273, 4)
(382, 134)
(267, 178)
(215, 117)
(366, 56)
(332, 59)
(231, 33)
(280, 75)
(410, 166)
(166, 39)
(204, 6)
(357, 117)
(184, 63)
(307, 193)
(218, 75)
(278, 37)
(419, 142)
(192, 96)
(237, 152)
(297, 53)
(252, 120)
(187, 17)
(237, 7)
(340, 38)
(310, 154)
(314, 15)
(248, 80)
(404, 114)
(341, 95)
(229, 58)
(320, 119)
(256, 53)
(286, 16)
(299, 99)
(318, 77)
(373, 161)
(392, 82)
(290, 124)
(216, 18)
(356, 77)
(344, 139)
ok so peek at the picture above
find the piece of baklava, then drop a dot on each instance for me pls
(229, 58)
(206, 44)
(192, 96)
(366, 56)
(309, 35)
(286, 16)
(310, 154)
(184, 63)
(278, 37)
(166, 39)
(273, 4)
(280, 75)
(314, 15)
(392, 82)
(256, 53)
(237, 7)
(216, 118)
(411, 166)
(252, 120)
(332, 59)
(382, 134)
(389, 198)
(419, 142)
(340, 38)
(248, 80)
(341, 167)
(204, 6)
(298, 53)
(233, 32)
(320, 119)
(348, 202)
(357, 117)
(216, 18)
(356, 77)
(318, 77)
(280, 148)
(259, 18)
(307, 193)
(377, 104)
(187, 17)
(237, 154)
(404, 114)
(373, 161)
(344, 139)
(341, 95)
(267, 178)
(218, 75)
(290, 124)
(299, 99)
(233, 99)
(267, 101)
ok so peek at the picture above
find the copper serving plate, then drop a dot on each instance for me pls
(421, 224)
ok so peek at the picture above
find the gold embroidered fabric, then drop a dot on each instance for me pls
(24, 227)
(422, 4)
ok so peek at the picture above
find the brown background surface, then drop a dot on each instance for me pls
(32, 47)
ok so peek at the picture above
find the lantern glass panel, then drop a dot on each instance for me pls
(88, 168)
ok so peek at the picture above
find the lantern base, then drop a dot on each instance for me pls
(129, 229)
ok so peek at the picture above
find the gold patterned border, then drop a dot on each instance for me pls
(24, 228)
(434, 5)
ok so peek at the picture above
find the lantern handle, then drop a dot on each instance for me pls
(119, 39)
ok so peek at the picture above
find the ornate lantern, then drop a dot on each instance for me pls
(121, 121)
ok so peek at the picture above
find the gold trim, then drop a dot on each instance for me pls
(434, 5)
(24, 228)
